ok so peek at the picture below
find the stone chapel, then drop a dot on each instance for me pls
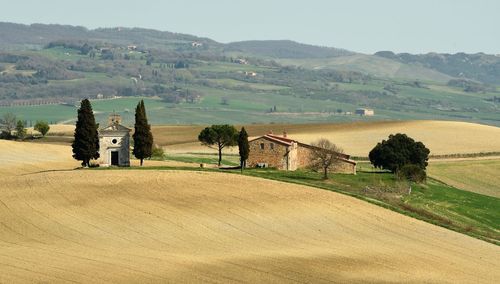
(114, 143)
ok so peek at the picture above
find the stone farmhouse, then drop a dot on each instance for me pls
(114, 143)
(286, 154)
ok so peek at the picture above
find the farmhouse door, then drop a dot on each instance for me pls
(114, 158)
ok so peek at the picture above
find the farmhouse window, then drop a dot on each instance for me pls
(262, 146)
(271, 145)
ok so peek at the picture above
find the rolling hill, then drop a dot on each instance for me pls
(356, 138)
(106, 226)
(36, 36)
(47, 69)
(284, 49)
(368, 64)
(481, 67)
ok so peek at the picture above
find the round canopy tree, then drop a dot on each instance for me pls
(219, 135)
(397, 151)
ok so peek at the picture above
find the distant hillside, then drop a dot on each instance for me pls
(15, 36)
(481, 67)
(285, 49)
(429, 67)
(369, 64)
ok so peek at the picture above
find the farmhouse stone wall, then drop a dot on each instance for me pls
(275, 156)
(288, 156)
(304, 160)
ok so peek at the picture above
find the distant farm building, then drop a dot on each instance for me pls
(365, 111)
(250, 74)
(196, 44)
(241, 61)
(286, 154)
(114, 143)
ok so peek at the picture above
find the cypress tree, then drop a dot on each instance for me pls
(86, 143)
(243, 147)
(143, 138)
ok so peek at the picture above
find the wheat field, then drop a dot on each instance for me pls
(356, 138)
(149, 226)
(476, 175)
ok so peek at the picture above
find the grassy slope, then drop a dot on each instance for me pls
(374, 65)
(480, 176)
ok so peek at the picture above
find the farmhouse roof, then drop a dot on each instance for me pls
(277, 139)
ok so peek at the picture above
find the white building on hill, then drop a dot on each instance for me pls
(114, 143)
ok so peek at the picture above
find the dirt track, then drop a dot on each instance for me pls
(178, 226)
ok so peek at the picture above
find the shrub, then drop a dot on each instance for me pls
(157, 153)
(42, 127)
(6, 135)
(412, 172)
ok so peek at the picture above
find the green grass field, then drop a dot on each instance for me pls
(480, 176)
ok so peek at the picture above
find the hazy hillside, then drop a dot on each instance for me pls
(368, 64)
(481, 67)
(15, 36)
(285, 49)
(191, 80)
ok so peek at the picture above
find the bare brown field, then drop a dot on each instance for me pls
(178, 226)
(57, 129)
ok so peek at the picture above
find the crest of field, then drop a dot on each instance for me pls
(61, 225)
(358, 138)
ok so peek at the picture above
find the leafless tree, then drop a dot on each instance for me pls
(325, 156)
(8, 122)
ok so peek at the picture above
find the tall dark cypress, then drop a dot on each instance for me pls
(86, 143)
(143, 138)
(243, 147)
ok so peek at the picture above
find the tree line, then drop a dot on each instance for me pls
(13, 128)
